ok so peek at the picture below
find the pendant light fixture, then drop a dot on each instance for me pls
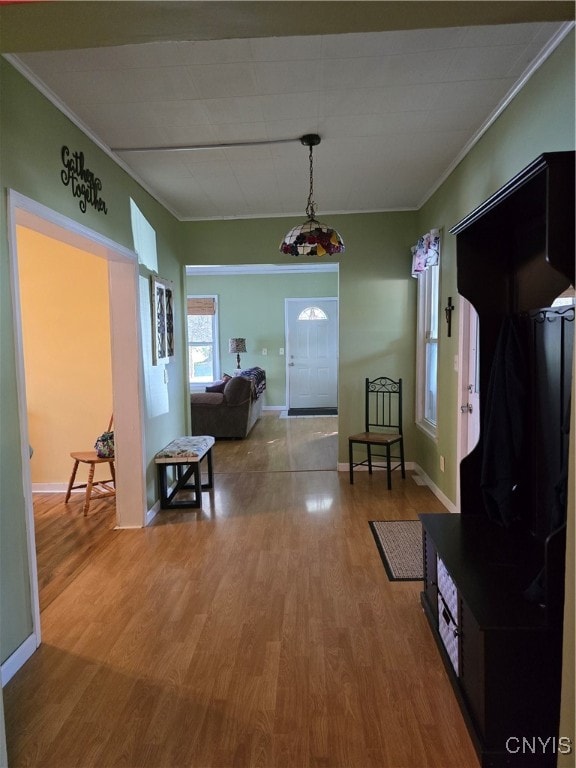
(312, 238)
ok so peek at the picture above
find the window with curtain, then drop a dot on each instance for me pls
(426, 268)
(203, 352)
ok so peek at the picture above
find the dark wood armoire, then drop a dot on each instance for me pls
(494, 574)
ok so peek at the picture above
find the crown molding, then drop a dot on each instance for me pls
(260, 269)
(553, 43)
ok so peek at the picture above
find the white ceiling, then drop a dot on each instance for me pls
(396, 110)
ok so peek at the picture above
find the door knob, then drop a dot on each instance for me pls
(466, 408)
(290, 364)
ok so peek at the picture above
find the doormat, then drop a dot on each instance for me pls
(400, 545)
(313, 412)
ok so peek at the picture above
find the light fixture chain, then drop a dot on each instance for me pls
(311, 205)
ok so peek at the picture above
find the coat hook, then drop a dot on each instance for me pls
(448, 309)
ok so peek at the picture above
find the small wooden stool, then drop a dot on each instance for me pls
(100, 488)
(185, 454)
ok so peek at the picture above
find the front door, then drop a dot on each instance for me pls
(312, 353)
(469, 389)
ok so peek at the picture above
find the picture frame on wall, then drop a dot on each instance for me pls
(162, 320)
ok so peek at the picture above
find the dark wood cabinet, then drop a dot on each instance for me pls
(508, 673)
(494, 574)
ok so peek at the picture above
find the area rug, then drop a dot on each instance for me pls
(400, 545)
(312, 412)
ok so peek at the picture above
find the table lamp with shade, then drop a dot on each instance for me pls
(236, 346)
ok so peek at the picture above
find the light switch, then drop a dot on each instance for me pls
(281, 351)
(264, 351)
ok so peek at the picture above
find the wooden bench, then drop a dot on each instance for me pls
(185, 454)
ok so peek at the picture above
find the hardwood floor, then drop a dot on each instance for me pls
(261, 631)
(278, 444)
(66, 540)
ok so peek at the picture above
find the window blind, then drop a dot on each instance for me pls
(201, 306)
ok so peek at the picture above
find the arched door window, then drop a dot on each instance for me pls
(312, 313)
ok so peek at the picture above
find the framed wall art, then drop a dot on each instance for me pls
(162, 320)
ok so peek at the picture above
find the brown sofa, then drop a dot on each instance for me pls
(231, 412)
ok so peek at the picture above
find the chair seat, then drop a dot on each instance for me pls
(376, 438)
(90, 457)
(382, 428)
(94, 488)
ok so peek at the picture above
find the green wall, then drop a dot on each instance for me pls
(540, 119)
(252, 306)
(377, 296)
(32, 132)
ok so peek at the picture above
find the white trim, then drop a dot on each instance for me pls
(423, 339)
(17, 659)
(14, 203)
(126, 362)
(41, 86)
(428, 429)
(151, 513)
(259, 269)
(66, 230)
(550, 47)
(450, 506)
(55, 488)
(57, 102)
(52, 488)
(413, 466)
(468, 423)
(298, 214)
(26, 72)
(196, 386)
(463, 320)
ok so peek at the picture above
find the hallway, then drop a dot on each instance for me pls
(260, 631)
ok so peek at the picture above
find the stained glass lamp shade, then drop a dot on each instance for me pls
(312, 238)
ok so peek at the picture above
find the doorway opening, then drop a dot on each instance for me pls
(468, 384)
(126, 373)
(251, 303)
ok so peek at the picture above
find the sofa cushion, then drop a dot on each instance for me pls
(216, 386)
(207, 398)
(238, 390)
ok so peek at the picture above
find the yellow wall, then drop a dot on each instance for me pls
(66, 334)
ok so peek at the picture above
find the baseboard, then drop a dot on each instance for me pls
(52, 488)
(420, 474)
(151, 514)
(17, 659)
(273, 407)
(450, 506)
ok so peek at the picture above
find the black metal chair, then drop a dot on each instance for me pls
(383, 425)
